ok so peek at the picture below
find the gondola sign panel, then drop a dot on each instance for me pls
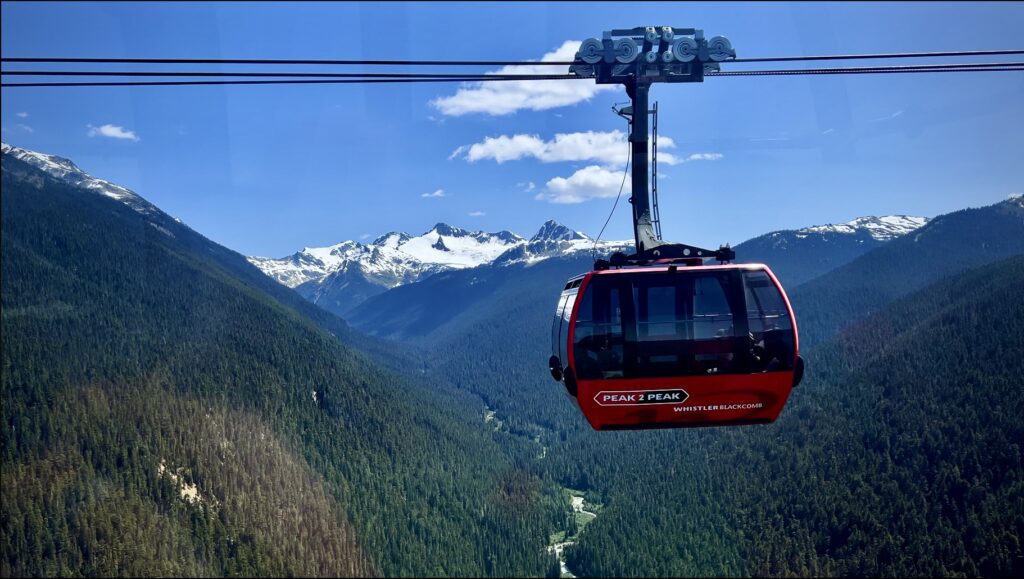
(640, 397)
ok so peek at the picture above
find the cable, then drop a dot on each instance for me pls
(965, 65)
(906, 67)
(349, 62)
(625, 172)
(130, 73)
(488, 78)
(881, 55)
(984, 67)
(355, 62)
(356, 75)
(826, 73)
(313, 78)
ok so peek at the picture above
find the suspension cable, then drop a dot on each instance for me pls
(358, 62)
(625, 173)
(370, 78)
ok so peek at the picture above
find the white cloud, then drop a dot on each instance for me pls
(599, 182)
(22, 115)
(476, 214)
(438, 193)
(608, 150)
(888, 117)
(112, 131)
(364, 236)
(506, 97)
(458, 151)
(608, 147)
(592, 182)
(503, 148)
(702, 157)
(26, 128)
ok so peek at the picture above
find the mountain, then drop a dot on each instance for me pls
(419, 309)
(828, 488)
(444, 300)
(168, 409)
(392, 259)
(340, 277)
(947, 245)
(66, 171)
(355, 272)
(882, 464)
(34, 168)
(512, 304)
(799, 255)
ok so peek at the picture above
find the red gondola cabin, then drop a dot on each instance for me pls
(676, 346)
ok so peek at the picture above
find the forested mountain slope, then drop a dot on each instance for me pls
(947, 245)
(148, 216)
(797, 256)
(861, 475)
(167, 409)
(486, 330)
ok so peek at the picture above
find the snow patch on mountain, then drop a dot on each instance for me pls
(883, 228)
(556, 240)
(64, 170)
(554, 231)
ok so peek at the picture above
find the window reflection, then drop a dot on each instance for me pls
(682, 323)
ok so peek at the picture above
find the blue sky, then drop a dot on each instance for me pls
(268, 170)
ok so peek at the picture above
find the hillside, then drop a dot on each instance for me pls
(168, 409)
(947, 245)
(799, 496)
(797, 256)
(31, 166)
(441, 302)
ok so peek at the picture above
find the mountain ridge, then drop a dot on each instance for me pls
(342, 276)
(552, 239)
(339, 277)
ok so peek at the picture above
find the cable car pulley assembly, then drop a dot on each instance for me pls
(657, 339)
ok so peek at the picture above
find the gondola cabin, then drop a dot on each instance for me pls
(673, 346)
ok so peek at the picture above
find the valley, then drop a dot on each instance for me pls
(562, 539)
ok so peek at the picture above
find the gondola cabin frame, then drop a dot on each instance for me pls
(636, 350)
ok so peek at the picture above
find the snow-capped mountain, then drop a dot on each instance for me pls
(556, 240)
(65, 170)
(880, 228)
(394, 258)
(802, 254)
(341, 276)
(398, 258)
